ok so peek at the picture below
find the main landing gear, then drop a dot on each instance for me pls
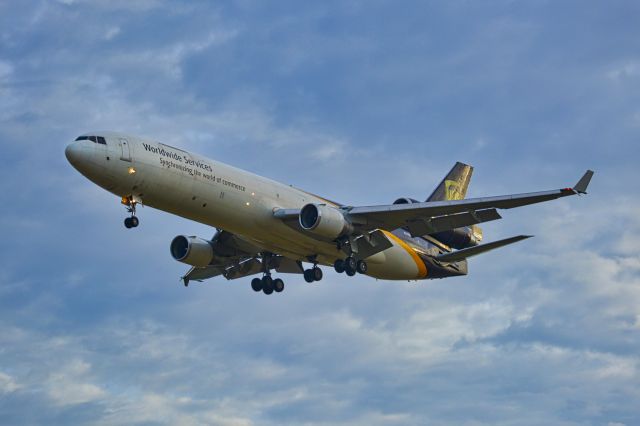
(267, 285)
(350, 266)
(133, 221)
(313, 274)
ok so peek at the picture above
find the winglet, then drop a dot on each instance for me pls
(583, 183)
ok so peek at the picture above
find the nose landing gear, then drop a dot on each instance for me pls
(130, 204)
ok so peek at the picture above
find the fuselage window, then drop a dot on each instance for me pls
(82, 138)
(101, 140)
(93, 139)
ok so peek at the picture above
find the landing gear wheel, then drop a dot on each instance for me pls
(134, 221)
(317, 273)
(309, 275)
(127, 223)
(267, 284)
(350, 266)
(278, 285)
(256, 284)
(338, 265)
(350, 263)
(362, 267)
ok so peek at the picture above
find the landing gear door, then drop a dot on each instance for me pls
(125, 152)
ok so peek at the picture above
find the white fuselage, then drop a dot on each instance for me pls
(222, 196)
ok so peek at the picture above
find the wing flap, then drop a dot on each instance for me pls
(423, 226)
(200, 274)
(483, 248)
(372, 243)
(288, 266)
(243, 269)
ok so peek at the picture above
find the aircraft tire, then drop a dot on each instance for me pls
(256, 284)
(350, 272)
(308, 275)
(134, 222)
(317, 273)
(127, 223)
(362, 267)
(338, 265)
(267, 284)
(278, 285)
(350, 263)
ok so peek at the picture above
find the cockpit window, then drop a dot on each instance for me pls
(97, 139)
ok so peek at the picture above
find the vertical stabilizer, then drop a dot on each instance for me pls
(454, 185)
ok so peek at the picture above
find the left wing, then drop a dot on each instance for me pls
(437, 216)
(399, 215)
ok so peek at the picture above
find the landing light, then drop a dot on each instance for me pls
(248, 203)
(131, 170)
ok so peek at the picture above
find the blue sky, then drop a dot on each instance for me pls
(362, 102)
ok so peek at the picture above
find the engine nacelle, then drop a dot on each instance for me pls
(405, 200)
(460, 238)
(192, 250)
(324, 221)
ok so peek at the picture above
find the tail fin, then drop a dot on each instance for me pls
(454, 185)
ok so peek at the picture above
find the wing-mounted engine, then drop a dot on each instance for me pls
(460, 238)
(324, 221)
(192, 250)
(405, 200)
(223, 247)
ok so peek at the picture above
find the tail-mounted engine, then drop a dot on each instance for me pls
(324, 221)
(192, 250)
(405, 200)
(460, 238)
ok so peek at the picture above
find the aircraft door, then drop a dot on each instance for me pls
(125, 151)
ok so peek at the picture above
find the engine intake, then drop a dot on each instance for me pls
(192, 250)
(324, 221)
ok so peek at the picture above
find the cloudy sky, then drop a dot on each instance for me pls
(362, 102)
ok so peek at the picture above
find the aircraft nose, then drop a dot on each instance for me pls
(73, 152)
(80, 155)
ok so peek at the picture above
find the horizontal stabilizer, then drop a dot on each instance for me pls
(473, 251)
(583, 183)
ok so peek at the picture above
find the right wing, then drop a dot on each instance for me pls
(235, 258)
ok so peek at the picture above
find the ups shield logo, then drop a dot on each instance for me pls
(452, 190)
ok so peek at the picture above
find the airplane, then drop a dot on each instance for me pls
(264, 226)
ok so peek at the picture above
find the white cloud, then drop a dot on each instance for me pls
(69, 385)
(111, 33)
(7, 384)
(6, 69)
(627, 70)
